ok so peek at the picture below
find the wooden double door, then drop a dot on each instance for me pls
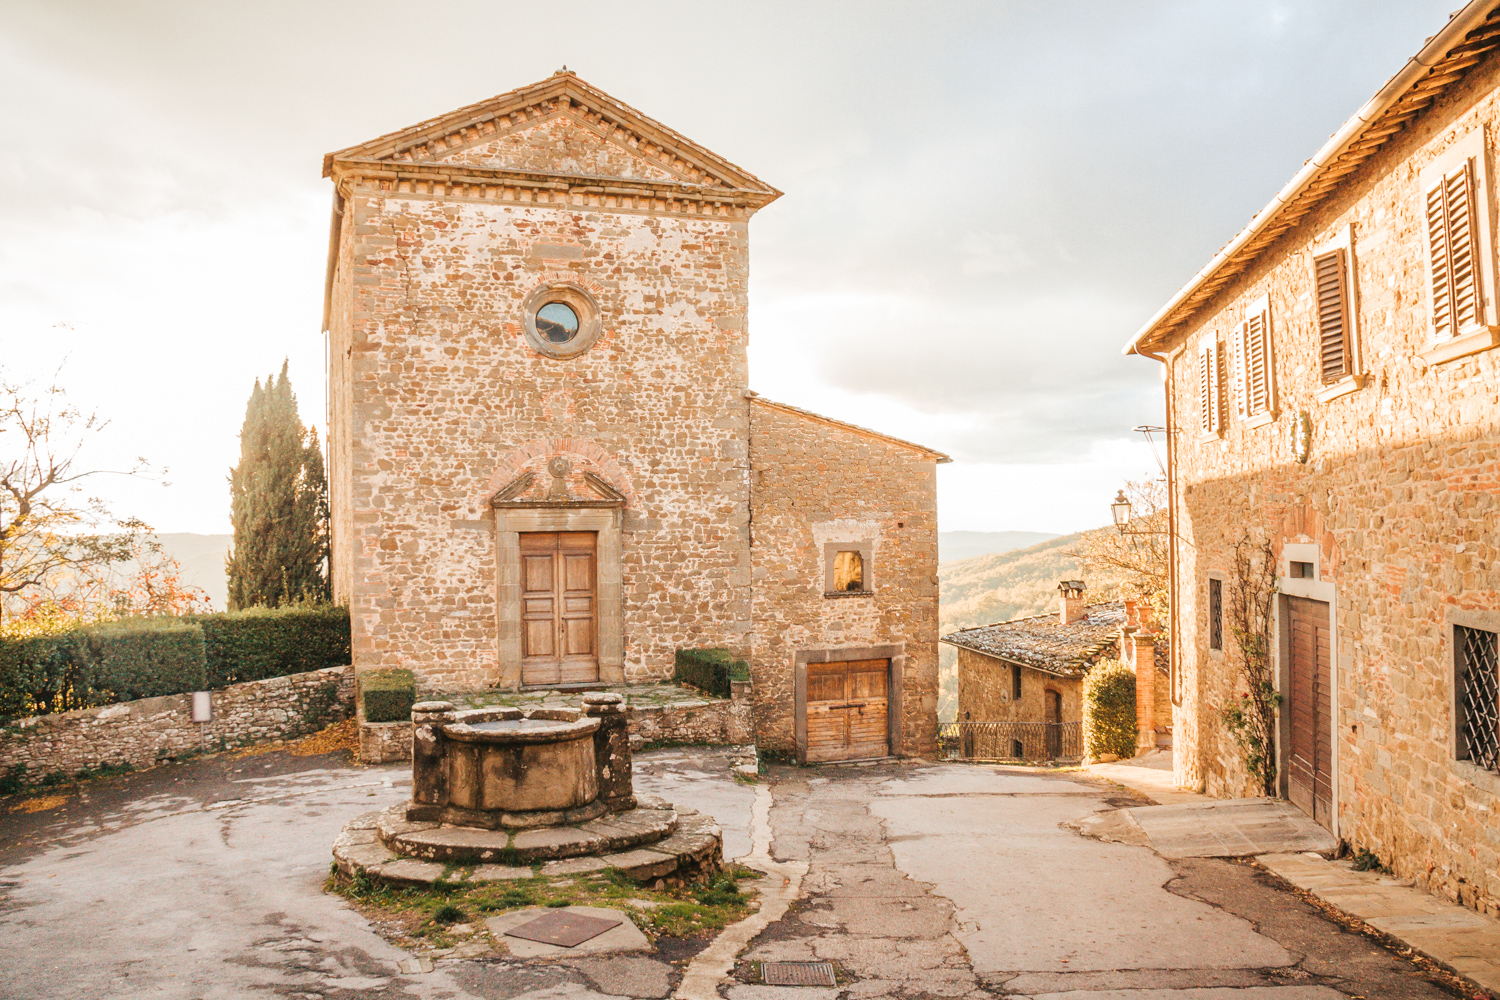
(1310, 706)
(559, 602)
(847, 710)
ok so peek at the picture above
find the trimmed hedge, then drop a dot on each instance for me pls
(388, 694)
(1109, 710)
(709, 670)
(102, 663)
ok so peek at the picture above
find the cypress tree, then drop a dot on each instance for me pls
(278, 503)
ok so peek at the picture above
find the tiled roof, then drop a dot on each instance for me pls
(1044, 643)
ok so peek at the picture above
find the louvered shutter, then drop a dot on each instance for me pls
(1331, 272)
(1208, 386)
(1257, 373)
(1457, 299)
(1237, 377)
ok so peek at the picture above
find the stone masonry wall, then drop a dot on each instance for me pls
(816, 482)
(153, 730)
(441, 386)
(1401, 495)
(984, 692)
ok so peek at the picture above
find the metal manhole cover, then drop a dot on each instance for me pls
(562, 929)
(798, 974)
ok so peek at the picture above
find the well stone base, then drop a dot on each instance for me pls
(649, 842)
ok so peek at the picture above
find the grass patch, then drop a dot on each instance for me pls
(424, 918)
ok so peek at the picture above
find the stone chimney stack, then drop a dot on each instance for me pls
(1071, 606)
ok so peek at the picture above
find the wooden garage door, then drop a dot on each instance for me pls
(846, 710)
(557, 608)
(1310, 702)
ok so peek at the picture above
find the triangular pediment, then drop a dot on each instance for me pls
(561, 127)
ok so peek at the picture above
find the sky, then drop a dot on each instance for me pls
(984, 201)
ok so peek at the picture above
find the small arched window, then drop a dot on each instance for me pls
(848, 571)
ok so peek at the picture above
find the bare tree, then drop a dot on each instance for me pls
(57, 543)
(1138, 553)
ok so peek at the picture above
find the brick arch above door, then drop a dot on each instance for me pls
(585, 454)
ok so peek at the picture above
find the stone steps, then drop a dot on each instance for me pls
(692, 849)
(609, 834)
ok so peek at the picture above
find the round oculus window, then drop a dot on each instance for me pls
(557, 323)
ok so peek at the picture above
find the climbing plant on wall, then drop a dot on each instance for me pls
(1251, 717)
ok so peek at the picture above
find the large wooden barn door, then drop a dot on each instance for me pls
(846, 710)
(557, 608)
(1310, 702)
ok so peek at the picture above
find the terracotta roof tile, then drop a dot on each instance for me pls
(1044, 643)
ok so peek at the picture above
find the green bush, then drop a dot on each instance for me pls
(257, 643)
(709, 670)
(388, 694)
(1109, 710)
(57, 670)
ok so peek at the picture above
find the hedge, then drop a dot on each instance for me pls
(102, 663)
(388, 694)
(710, 670)
(1109, 710)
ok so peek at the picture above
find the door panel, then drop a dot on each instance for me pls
(558, 605)
(847, 716)
(1310, 706)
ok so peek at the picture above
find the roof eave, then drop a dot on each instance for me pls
(1433, 52)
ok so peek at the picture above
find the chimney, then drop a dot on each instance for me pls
(1070, 608)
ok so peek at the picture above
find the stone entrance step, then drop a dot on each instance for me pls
(610, 834)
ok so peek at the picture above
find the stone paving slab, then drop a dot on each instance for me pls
(1208, 993)
(1451, 935)
(1231, 828)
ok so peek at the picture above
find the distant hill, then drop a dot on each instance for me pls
(956, 545)
(1000, 586)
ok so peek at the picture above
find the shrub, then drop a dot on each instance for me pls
(1109, 710)
(142, 658)
(257, 643)
(388, 694)
(709, 669)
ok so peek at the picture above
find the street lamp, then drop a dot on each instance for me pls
(1120, 509)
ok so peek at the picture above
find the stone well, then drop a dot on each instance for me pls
(501, 790)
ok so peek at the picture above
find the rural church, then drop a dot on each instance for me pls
(547, 465)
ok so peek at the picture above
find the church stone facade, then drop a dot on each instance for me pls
(547, 466)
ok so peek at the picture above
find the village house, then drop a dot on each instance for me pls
(547, 466)
(1333, 392)
(1026, 674)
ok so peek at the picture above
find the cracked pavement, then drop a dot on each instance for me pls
(204, 880)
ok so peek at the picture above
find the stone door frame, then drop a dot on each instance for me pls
(895, 655)
(510, 522)
(1315, 589)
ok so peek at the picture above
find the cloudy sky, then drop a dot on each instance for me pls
(983, 200)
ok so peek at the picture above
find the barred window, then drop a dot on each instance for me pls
(1215, 614)
(1015, 682)
(1478, 660)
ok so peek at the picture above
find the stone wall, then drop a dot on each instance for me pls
(985, 686)
(153, 730)
(1398, 505)
(818, 482)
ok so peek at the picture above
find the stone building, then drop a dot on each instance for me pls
(1333, 400)
(547, 468)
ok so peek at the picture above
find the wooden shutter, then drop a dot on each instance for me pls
(1457, 299)
(1331, 274)
(1237, 377)
(1208, 386)
(1257, 365)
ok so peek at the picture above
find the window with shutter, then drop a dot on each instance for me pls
(1237, 378)
(1457, 299)
(1257, 364)
(1209, 388)
(1331, 273)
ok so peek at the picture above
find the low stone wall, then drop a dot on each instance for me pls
(153, 730)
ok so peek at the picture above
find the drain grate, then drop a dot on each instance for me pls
(798, 974)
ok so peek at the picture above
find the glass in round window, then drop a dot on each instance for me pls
(557, 322)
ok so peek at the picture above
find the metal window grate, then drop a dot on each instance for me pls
(798, 974)
(1215, 613)
(1479, 696)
